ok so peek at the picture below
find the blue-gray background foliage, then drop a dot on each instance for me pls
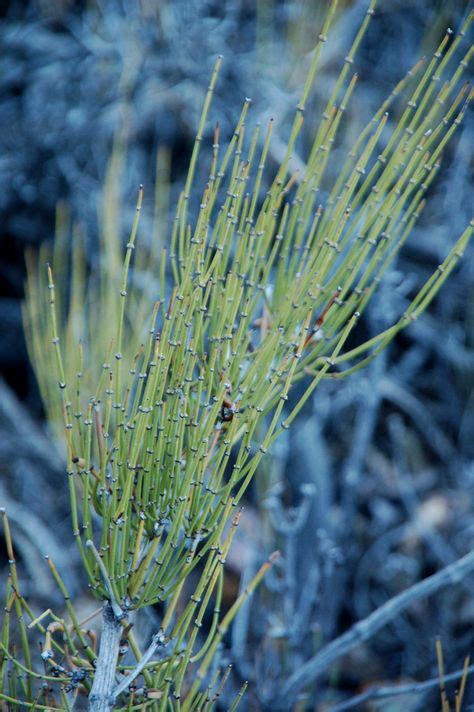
(372, 490)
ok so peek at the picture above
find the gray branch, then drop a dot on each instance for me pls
(156, 642)
(366, 628)
(379, 693)
(101, 698)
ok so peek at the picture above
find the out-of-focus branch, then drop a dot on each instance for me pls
(366, 628)
(379, 693)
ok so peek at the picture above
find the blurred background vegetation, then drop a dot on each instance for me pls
(372, 490)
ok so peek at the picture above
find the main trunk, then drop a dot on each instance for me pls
(100, 698)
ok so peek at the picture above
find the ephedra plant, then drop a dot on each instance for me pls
(167, 405)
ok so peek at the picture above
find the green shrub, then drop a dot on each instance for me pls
(167, 410)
